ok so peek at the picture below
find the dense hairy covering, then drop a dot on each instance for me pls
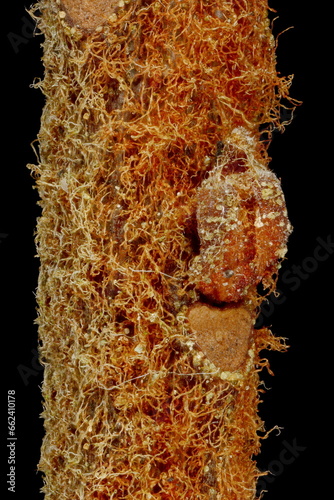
(139, 108)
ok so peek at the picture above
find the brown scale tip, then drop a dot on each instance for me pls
(222, 334)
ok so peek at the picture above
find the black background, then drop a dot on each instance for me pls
(300, 392)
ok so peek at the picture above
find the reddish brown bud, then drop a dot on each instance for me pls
(242, 225)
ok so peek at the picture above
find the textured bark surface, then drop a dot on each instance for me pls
(222, 334)
(89, 15)
(160, 219)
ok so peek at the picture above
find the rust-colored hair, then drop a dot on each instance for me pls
(151, 176)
